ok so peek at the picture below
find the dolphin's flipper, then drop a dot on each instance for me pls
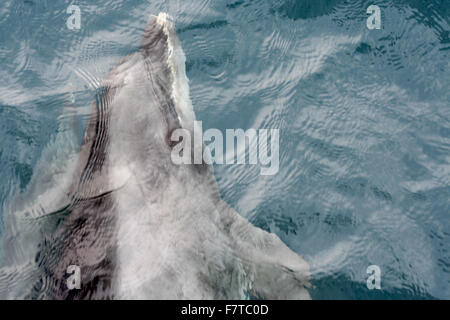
(276, 272)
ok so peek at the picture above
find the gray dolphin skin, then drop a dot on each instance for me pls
(138, 225)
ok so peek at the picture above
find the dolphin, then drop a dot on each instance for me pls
(139, 226)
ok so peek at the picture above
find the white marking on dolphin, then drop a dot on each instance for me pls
(140, 226)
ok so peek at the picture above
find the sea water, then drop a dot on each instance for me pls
(362, 109)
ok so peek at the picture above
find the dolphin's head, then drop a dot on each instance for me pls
(165, 58)
(142, 102)
(152, 86)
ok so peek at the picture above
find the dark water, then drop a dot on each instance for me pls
(364, 119)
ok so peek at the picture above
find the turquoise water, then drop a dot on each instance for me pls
(364, 119)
